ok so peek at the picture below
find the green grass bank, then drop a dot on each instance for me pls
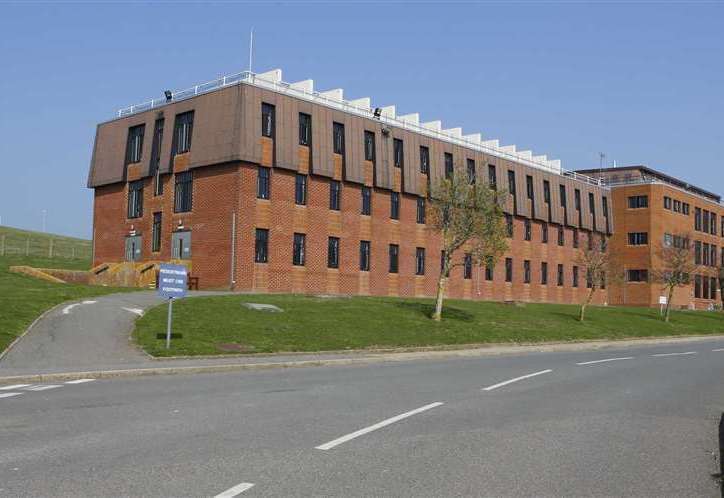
(221, 324)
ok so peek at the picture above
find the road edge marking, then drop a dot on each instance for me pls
(522, 377)
(9, 395)
(659, 355)
(605, 360)
(235, 491)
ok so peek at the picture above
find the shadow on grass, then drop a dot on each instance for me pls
(427, 310)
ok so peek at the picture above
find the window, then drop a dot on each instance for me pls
(300, 189)
(338, 138)
(424, 160)
(492, 177)
(471, 171)
(575, 276)
(449, 167)
(697, 252)
(267, 120)
(511, 182)
(183, 194)
(421, 210)
(712, 287)
(667, 202)
(156, 233)
(544, 233)
(605, 212)
(156, 157)
(333, 252)
(668, 240)
(697, 219)
(183, 127)
(135, 199)
(592, 208)
(712, 225)
(561, 236)
(705, 227)
(697, 286)
(262, 182)
(305, 129)
(299, 249)
(546, 191)
(509, 225)
(560, 276)
(577, 199)
(468, 266)
(638, 201)
(562, 194)
(364, 255)
(685, 208)
(589, 278)
(544, 273)
(134, 144)
(575, 238)
(369, 146)
(366, 201)
(590, 241)
(677, 206)
(395, 205)
(526, 271)
(489, 270)
(420, 261)
(641, 238)
(335, 194)
(261, 245)
(508, 269)
(637, 275)
(398, 153)
(529, 187)
(394, 258)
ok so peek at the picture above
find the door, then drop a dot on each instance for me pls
(181, 245)
(133, 248)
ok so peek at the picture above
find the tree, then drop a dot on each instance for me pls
(675, 266)
(600, 267)
(465, 213)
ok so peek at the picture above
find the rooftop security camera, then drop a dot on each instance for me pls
(378, 112)
(168, 95)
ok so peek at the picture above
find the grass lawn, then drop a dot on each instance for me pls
(23, 298)
(220, 324)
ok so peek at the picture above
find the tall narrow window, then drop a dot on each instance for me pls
(575, 238)
(394, 258)
(492, 177)
(508, 269)
(560, 276)
(489, 269)
(183, 194)
(300, 189)
(528, 230)
(333, 252)
(299, 249)
(364, 255)
(511, 182)
(471, 171)
(135, 199)
(421, 210)
(546, 191)
(134, 144)
(526, 271)
(267, 120)
(305, 129)
(577, 199)
(420, 261)
(395, 205)
(561, 236)
(369, 146)
(544, 273)
(338, 138)
(544, 233)
(424, 160)
(449, 167)
(335, 194)
(156, 156)
(366, 201)
(156, 233)
(398, 152)
(468, 266)
(509, 225)
(262, 182)
(529, 190)
(575, 276)
(182, 131)
(261, 245)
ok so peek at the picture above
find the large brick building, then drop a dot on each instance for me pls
(652, 210)
(269, 186)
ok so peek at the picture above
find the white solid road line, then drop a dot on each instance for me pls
(675, 354)
(604, 361)
(42, 388)
(505, 383)
(235, 491)
(90, 302)
(14, 386)
(379, 425)
(9, 395)
(716, 350)
(79, 381)
(67, 309)
(136, 311)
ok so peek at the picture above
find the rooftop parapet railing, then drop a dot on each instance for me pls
(251, 78)
(658, 181)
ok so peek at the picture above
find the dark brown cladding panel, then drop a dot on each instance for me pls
(322, 160)
(540, 207)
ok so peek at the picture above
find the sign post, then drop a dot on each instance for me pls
(172, 284)
(662, 303)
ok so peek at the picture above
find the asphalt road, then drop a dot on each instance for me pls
(644, 426)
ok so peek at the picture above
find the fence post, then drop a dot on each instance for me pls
(50, 249)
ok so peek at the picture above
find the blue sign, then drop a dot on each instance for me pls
(172, 281)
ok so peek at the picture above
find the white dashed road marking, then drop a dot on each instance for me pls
(42, 388)
(79, 381)
(674, 354)
(235, 491)
(379, 425)
(9, 395)
(505, 383)
(717, 350)
(14, 386)
(606, 360)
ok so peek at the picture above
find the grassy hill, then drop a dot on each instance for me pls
(26, 243)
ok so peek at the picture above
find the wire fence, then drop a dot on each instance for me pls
(43, 246)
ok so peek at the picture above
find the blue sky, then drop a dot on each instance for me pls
(642, 82)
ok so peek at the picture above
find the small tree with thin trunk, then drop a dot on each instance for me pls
(675, 266)
(600, 267)
(465, 213)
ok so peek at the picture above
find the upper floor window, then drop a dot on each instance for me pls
(305, 129)
(449, 167)
(261, 245)
(637, 275)
(638, 201)
(544, 233)
(135, 199)
(300, 189)
(529, 190)
(575, 276)
(364, 255)
(509, 225)
(134, 144)
(685, 207)
(183, 128)
(369, 146)
(639, 238)
(468, 266)
(399, 153)
(183, 194)
(394, 258)
(559, 276)
(156, 156)
(561, 236)
(508, 269)
(697, 219)
(335, 194)
(424, 160)
(667, 202)
(333, 252)
(528, 230)
(421, 210)
(544, 273)
(420, 261)
(511, 182)
(395, 205)
(591, 204)
(492, 177)
(156, 232)
(546, 191)
(526, 271)
(299, 249)
(366, 201)
(262, 182)
(577, 199)
(562, 195)
(575, 238)
(267, 120)
(338, 138)
(471, 171)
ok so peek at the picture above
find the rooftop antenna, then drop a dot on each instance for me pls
(601, 159)
(251, 46)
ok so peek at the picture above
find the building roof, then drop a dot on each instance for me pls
(650, 174)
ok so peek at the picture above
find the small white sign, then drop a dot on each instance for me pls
(662, 300)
